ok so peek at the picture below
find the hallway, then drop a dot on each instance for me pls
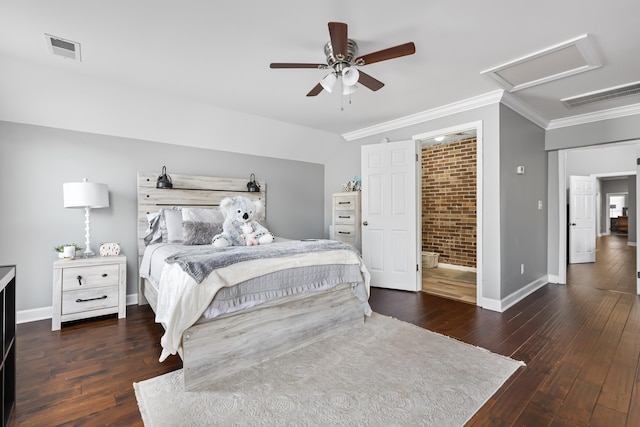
(614, 269)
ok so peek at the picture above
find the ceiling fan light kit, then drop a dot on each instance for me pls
(348, 90)
(328, 82)
(350, 76)
(341, 56)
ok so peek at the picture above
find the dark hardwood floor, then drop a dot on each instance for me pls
(581, 344)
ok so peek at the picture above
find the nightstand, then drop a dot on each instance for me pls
(88, 287)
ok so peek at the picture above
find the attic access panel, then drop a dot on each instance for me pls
(574, 56)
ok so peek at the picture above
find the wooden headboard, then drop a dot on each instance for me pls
(188, 190)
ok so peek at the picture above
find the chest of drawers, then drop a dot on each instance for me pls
(88, 287)
(346, 218)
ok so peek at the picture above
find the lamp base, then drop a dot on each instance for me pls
(88, 253)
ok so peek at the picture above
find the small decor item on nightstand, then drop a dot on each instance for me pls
(109, 249)
(67, 251)
(252, 185)
(164, 180)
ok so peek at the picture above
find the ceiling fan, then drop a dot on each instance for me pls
(341, 55)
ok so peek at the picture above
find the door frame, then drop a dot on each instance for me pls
(562, 212)
(477, 125)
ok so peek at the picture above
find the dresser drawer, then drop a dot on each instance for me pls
(89, 299)
(344, 217)
(76, 278)
(345, 233)
(345, 201)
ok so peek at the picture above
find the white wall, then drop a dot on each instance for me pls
(78, 102)
(35, 161)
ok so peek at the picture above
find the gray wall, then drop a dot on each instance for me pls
(620, 129)
(522, 144)
(35, 161)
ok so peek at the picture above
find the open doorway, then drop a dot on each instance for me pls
(617, 221)
(450, 212)
(612, 165)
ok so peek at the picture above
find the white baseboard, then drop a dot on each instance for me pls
(631, 243)
(553, 278)
(510, 300)
(24, 316)
(43, 313)
(456, 267)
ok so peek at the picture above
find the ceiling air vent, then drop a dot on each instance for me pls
(60, 47)
(602, 95)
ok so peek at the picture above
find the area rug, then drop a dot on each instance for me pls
(387, 373)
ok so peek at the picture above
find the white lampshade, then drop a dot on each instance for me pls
(348, 90)
(350, 76)
(328, 81)
(85, 194)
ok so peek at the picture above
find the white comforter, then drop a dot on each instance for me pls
(181, 301)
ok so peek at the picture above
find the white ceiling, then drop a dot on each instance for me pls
(219, 53)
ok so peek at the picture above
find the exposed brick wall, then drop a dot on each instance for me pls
(449, 201)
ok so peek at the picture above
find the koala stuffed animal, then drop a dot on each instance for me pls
(240, 227)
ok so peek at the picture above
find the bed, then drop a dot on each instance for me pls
(256, 304)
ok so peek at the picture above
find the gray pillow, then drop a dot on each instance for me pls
(211, 215)
(153, 234)
(199, 233)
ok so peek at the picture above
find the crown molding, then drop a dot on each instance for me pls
(522, 108)
(581, 119)
(425, 116)
(506, 98)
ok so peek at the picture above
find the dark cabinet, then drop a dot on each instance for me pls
(8, 327)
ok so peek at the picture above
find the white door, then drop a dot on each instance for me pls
(582, 219)
(389, 214)
(637, 216)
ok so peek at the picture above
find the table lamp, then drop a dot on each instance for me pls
(87, 195)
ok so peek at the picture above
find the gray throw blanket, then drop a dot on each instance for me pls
(198, 263)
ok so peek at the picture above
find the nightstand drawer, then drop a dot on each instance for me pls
(344, 217)
(77, 278)
(89, 299)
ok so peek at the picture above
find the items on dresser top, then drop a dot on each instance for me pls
(346, 218)
(88, 287)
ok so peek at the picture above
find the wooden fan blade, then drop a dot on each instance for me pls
(368, 81)
(316, 90)
(390, 53)
(338, 34)
(296, 65)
